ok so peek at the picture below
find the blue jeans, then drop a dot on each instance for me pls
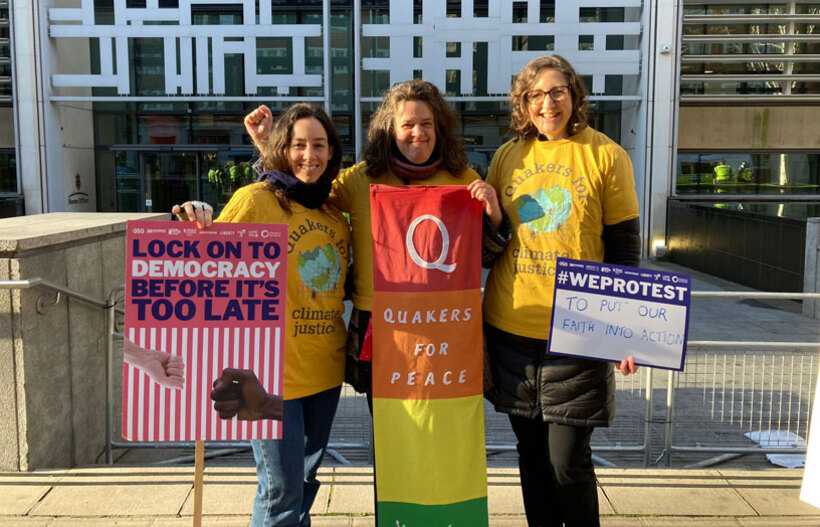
(287, 467)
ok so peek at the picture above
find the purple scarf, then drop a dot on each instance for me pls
(309, 195)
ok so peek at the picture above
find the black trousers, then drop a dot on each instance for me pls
(557, 475)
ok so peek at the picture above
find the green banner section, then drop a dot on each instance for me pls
(472, 513)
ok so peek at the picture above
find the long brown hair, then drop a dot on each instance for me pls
(274, 151)
(382, 131)
(520, 123)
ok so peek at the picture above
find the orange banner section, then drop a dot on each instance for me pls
(433, 342)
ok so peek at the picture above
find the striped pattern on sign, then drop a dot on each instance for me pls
(152, 412)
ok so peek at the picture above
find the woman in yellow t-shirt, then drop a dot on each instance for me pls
(301, 160)
(569, 192)
(414, 139)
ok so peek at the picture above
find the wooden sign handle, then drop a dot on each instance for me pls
(199, 472)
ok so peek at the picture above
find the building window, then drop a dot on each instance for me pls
(716, 173)
(8, 172)
(586, 42)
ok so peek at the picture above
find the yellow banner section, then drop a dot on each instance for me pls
(430, 451)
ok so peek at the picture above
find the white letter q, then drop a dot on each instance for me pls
(445, 245)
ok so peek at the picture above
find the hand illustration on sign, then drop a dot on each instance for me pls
(166, 369)
(445, 245)
(238, 393)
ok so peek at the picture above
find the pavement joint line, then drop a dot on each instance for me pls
(188, 495)
(39, 500)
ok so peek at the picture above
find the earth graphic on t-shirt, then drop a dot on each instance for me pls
(545, 210)
(320, 268)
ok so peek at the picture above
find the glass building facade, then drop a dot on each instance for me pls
(9, 186)
(150, 155)
(747, 171)
(749, 55)
(715, 102)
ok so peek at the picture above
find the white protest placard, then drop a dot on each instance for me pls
(810, 491)
(609, 312)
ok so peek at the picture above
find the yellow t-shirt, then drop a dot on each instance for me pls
(558, 195)
(351, 193)
(314, 330)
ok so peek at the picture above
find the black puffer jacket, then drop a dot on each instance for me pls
(527, 382)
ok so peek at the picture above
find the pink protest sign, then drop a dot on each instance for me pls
(197, 302)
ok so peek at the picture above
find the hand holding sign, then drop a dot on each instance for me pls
(238, 393)
(197, 211)
(627, 366)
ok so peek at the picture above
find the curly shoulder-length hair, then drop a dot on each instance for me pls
(382, 131)
(275, 151)
(520, 123)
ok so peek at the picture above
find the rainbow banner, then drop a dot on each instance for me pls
(428, 413)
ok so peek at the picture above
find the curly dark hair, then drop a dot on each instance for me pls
(381, 134)
(274, 151)
(520, 123)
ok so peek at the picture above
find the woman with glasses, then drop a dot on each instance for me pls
(569, 192)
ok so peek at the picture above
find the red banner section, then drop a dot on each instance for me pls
(421, 233)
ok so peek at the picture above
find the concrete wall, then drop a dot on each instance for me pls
(52, 364)
(771, 127)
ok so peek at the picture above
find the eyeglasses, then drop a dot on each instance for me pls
(536, 97)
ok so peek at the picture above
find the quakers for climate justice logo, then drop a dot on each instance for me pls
(321, 268)
(545, 210)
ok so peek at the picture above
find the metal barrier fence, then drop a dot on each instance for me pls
(741, 401)
(716, 405)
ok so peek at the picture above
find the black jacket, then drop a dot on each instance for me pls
(525, 381)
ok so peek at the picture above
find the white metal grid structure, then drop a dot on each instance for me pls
(726, 43)
(498, 29)
(194, 55)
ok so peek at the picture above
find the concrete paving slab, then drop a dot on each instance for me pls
(45, 477)
(222, 499)
(322, 501)
(508, 521)
(100, 522)
(19, 499)
(777, 502)
(504, 492)
(332, 521)
(363, 521)
(135, 498)
(780, 522)
(351, 498)
(504, 500)
(351, 490)
(620, 522)
(673, 521)
(18, 521)
(672, 493)
(103, 475)
(219, 521)
(773, 492)
(604, 506)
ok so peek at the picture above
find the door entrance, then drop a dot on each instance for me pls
(155, 181)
